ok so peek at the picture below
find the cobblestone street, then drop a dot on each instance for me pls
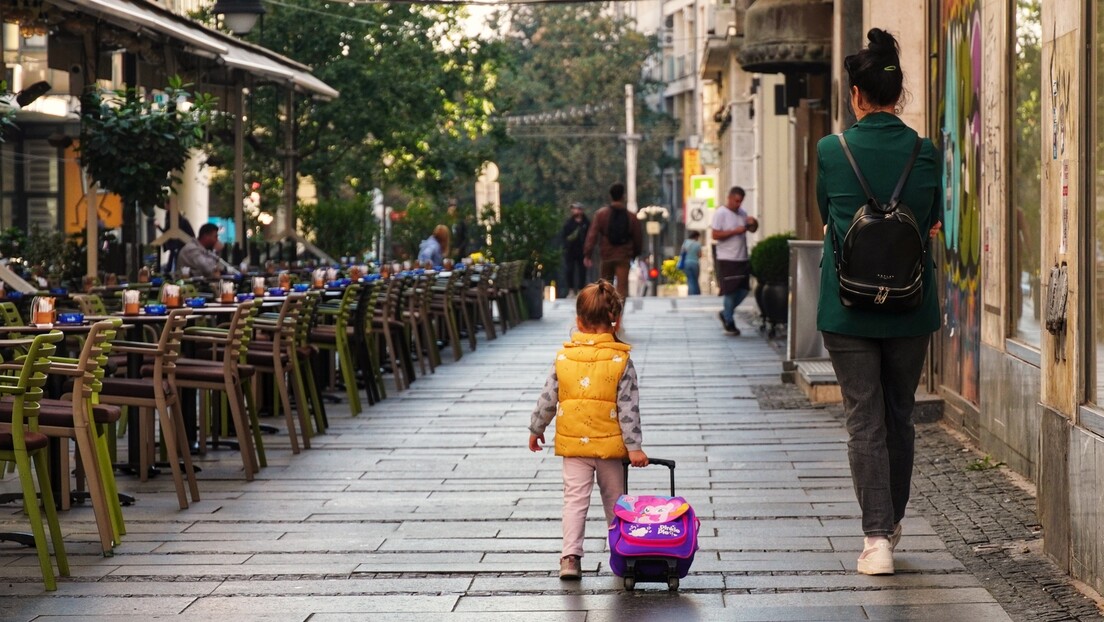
(429, 506)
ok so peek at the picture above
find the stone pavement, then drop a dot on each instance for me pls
(429, 506)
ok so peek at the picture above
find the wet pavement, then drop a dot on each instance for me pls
(429, 506)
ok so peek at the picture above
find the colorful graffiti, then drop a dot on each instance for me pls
(960, 114)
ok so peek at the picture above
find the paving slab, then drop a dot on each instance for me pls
(429, 506)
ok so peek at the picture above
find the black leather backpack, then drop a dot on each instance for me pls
(881, 261)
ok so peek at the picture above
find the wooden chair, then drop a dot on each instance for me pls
(158, 393)
(22, 444)
(274, 355)
(222, 373)
(442, 310)
(387, 325)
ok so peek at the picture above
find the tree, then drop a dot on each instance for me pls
(566, 67)
(414, 108)
(131, 145)
(341, 227)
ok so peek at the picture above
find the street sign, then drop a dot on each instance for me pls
(698, 215)
(704, 187)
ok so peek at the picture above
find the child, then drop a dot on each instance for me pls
(592, 393)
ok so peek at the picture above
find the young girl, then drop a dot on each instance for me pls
(592, 393)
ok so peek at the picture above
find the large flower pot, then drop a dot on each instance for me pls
(533, 295)
(776, 302)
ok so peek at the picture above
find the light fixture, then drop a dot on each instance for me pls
(239, 16)
(31, 93)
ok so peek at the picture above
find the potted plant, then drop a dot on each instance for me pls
(770, 265)
(528, 232)
(131, 145)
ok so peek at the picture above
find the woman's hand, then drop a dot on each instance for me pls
(638, 458)
(534, 442)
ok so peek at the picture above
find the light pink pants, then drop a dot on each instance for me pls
(578, 478)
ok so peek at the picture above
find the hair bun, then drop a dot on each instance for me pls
(882, 43)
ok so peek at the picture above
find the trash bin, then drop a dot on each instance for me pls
(533, 294)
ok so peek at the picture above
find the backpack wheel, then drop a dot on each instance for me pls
(630, 584)
(673, 584)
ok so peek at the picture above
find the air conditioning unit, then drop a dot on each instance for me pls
(667, 37)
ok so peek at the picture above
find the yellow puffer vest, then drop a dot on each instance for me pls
(589, 368)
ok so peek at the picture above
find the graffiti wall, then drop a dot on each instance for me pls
(959, 94)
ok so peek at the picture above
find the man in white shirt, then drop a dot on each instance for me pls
(198, 255)
(730, 226)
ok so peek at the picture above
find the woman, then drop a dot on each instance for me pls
(434, 248)
(878, 356)
(691, 265)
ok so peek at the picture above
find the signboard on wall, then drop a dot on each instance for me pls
(691, 165)
(108, 206)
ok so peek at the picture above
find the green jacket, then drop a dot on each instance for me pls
(881, 144)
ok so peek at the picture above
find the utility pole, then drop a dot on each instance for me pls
(631, 139)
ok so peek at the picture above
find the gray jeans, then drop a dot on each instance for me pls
(878, 379)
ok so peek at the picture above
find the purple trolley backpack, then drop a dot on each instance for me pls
(652, 539)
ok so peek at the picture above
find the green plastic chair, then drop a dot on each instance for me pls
(22, 444)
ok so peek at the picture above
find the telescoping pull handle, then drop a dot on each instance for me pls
(670, 464)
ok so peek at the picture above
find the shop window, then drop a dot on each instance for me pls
(1096, 189)
(1025, 302)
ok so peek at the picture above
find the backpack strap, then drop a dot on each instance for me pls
(862, 180)
(866, 188)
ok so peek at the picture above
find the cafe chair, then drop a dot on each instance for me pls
(336, 336)
(22, 443)
(224, 373)
(157, 394)
(79, 417)
(274, 356)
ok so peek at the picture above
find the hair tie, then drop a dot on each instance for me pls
(890, 68)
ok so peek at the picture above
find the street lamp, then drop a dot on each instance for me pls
(239, 16)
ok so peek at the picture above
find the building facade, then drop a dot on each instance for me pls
(1011, 92)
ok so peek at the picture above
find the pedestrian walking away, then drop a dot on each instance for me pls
(878, 354)
(574, 235)
(730, 226)
(593, 390)
(618, 236)
(691, 262)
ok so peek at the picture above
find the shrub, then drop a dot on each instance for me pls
(770, 258)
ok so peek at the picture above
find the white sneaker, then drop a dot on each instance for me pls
(877, 557)
(895, 537)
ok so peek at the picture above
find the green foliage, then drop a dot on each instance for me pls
(131, 145)
(7, 115)
(414, 109)
(53, 254)
(670, 272)
(527, 231)
(12, 242)
(770, 258)
(416, 224)
(984, 464)
(575, 60)
(341, 227)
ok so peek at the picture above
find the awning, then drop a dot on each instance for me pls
(144, 16)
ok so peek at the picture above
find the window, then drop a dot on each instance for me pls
(1096, 192)
(1024, 229)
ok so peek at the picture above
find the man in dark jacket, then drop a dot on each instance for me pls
(619, 238)
(574, 235)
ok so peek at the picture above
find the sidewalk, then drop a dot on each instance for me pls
(429, 506)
